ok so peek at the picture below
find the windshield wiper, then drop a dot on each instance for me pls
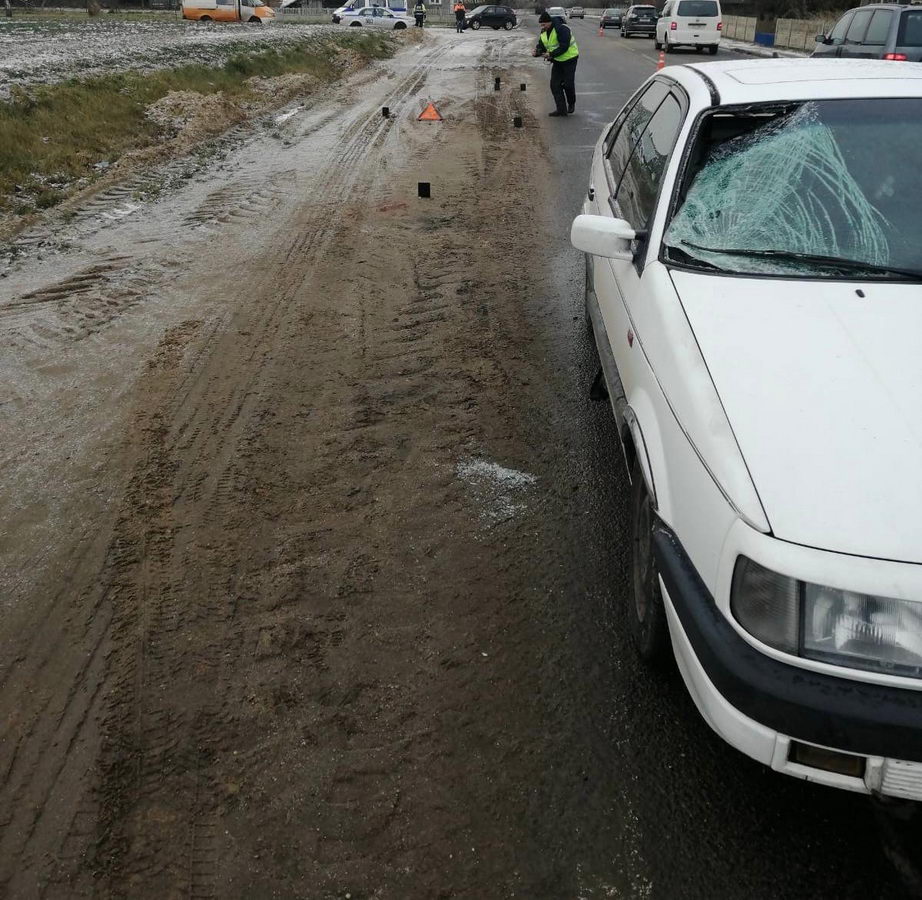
(847, 265)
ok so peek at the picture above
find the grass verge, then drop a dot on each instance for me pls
(52, 137)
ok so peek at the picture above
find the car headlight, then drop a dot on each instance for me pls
(844, 628)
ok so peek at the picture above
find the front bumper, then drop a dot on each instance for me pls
(761, 705)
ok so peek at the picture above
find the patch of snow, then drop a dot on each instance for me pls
(35, 51)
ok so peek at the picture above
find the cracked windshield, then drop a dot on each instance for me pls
(839, 188)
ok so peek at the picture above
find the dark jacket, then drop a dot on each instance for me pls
(563, 37)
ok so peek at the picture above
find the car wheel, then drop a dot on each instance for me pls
(399, 25)
(255, 20)
(588, 315)
(204, 18)
(667, 47)
(508, 25)
(657, 45)
(647, 614)
(475, 25)
(713, 49)
(355, 24)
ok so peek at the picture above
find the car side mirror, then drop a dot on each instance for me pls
(602, 236)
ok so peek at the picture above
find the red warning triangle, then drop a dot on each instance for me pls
(430, 114)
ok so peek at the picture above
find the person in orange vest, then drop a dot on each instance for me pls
(460, 13)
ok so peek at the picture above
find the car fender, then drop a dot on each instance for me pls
(638, 416)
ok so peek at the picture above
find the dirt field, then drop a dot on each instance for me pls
(270, 447)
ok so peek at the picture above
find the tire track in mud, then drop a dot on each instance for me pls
(143, 742)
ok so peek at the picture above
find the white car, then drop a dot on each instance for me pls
(689, 23)
(555, 11)
(754, 283)
(373, 17)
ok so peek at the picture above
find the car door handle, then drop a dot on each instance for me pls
(592, 193)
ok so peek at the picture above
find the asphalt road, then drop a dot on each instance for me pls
(699, 818)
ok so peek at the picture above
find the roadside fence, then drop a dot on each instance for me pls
(740, 28)
(799, 34)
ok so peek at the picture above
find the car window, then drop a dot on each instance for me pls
(879, 27)
(859, 24)
(910, 33)
(835, 178)
(837, 35)
(632, 127)
(698, 8)
(636, 195)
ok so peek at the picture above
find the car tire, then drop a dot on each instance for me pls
(475, 25)
(587, 315)
(508, 25)
(355, 24)
(255, 20)
(657, 45)
(204, 18)
(399, 25)
(713, 49)
(667, 47)
(646, 613)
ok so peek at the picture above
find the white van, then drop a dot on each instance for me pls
(689, 23)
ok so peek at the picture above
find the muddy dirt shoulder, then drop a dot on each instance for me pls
(63, 142)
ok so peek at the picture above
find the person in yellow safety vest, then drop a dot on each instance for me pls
(419, 13)
(556, 43)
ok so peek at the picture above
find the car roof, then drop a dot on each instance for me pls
(767, 80)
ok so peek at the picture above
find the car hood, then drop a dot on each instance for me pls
(823, 390)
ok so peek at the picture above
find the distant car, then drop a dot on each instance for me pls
(375, 17)
(611, 18)
(639, 20)
(577, 12)
(558, 11)
(352, 9)
(689, 23)
(881, 31)
(495, 17)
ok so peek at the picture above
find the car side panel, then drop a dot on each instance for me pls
(685, 493)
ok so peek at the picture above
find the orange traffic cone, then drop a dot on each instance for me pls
(661, 62)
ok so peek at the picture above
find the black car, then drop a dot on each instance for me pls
(494, 16)
(880, 31)
(611, 18)
(639, 20)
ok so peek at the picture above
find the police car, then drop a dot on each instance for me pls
(351, 11)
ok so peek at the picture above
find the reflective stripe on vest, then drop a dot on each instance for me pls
(549, 39)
